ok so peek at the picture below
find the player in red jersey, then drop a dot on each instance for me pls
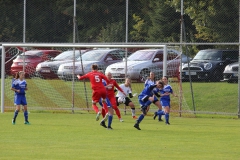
(99, 91)
(111, 94)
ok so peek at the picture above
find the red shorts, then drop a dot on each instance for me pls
(97, 94)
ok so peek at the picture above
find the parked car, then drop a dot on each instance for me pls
(10, 53)
(230, 73)
(32, 59)
(208, 65)
(142, 62)
(101, 57)
(48, 69)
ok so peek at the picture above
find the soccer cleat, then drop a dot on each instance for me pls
(155, 115)
(109, 128)
(136, 125)
(98, 115)
(167, 123)
(26, 122)
(13, 122)
(121, 120)
(160, 120)
(134, 117)
(102, 123)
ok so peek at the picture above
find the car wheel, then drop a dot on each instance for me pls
(216, 76)
(144, 74)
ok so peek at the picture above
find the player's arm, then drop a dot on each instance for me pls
(26, 87)
(119, 88)
(82, 77)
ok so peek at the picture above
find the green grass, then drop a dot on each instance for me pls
(213, 97)
(79, 136)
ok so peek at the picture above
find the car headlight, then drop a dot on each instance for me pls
(38, 66)
(228, 68)
(207, 66)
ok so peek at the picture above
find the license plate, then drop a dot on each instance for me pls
(235, 74)
(116, 74)
(191, 73)
(45, 71)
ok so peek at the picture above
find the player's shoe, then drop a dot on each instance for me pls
(26, 122)
(134, 117)
(155, 115)
(109, 128)
(136, 125)
(98, 115)
(121, 120)
(13, 122)
(160, 120)
(102, 123)
(167, 123)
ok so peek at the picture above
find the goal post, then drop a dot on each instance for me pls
(57, 94)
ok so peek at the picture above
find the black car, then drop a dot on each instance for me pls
(209, 64)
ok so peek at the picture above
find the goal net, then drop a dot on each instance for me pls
(51, 71)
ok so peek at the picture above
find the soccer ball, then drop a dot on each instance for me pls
(121, 100)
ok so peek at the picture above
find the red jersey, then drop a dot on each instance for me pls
(110, 90)
(95, 78)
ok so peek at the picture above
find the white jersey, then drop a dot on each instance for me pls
(125, 89)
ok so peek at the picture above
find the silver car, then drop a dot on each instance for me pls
(230, 73)
(101, 57)
(142, 62)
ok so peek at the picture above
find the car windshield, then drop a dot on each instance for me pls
(208, 55)
(94, 55)
(30, 55)
(141, 56)
(67, 55)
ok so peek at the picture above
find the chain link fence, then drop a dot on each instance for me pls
(214, 24)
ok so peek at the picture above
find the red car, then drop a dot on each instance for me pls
(32, 58)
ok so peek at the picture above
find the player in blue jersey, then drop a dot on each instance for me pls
(145, 98)
(165, 99)
(151, 80)
(19, 86)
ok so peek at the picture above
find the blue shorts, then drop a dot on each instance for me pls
(20, 100)
(165, 103)
(107, 101)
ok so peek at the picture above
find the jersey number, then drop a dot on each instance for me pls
(97, 79)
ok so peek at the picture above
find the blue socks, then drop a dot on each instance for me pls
(26, 116)
(15, 115)
(110, 117)
(140, 118)
(147, 103)
(167, 117)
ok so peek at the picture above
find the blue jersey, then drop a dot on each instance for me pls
(148, 82)
(166, 89)
(148, 90)
(19, 85)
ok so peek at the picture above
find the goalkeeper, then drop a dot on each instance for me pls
(127, 90)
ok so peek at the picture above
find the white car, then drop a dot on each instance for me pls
(142, 62)
(101, 57)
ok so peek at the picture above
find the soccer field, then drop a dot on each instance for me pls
(79, 136)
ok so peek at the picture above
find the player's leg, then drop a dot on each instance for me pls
(141, 117)
(17, 102)
(167, 112)
(25, 113)
(95, 99)
(114, 105)
(130, 103)
(158, 113)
